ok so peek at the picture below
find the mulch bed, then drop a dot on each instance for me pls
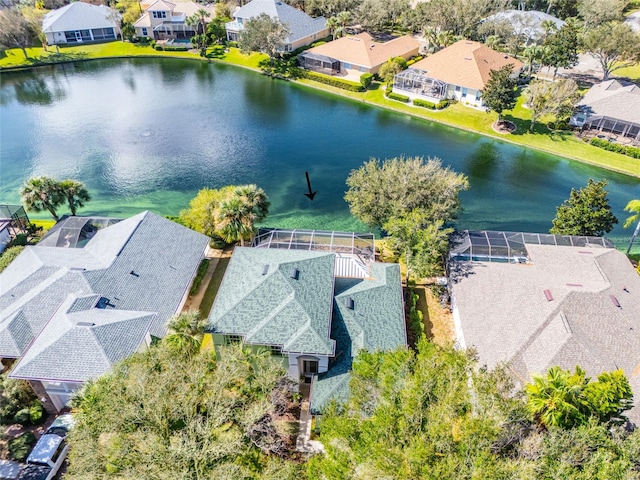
(504, 127)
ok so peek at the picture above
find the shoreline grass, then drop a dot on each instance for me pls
(563, 144)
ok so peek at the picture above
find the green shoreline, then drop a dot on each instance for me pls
(468, 119)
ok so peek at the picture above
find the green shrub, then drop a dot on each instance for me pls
(202, 270)
(334, 82)
(366, 79)
(15, 396)
(318, 43)
(8, 255)
(23, 417)
(424, 103)
(20, 446)
(442, 104)
(413, 60)
(398, 97)
(158, 47)
(232, 43)
(171, 48)
(20, 240)
(615, 147)
(36, 413)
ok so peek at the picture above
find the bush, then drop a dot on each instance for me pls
(442, 104)
(424, 103)
(398, 97)
(15, 396)
(615, 147)
(20, 240)
(23, 417)
(334, 82)
(20, 446)
(413, 60)
(158, 47)
(174, 49)
(8, 255)
(202, 270)
(36, 413)
(366, 79)
(232, 43)
(317, 44)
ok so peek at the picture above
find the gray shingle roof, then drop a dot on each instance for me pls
(502, 310)
(613, 99)
(145, 264)
(77, 345)
(300, 24)
(376, 323)
(273, 308)
(77, 16)
(528, 23)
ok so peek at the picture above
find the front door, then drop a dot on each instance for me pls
(309, 367)
(78, 36)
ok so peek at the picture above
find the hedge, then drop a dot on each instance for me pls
(398, 97)
(430, 105)
(616, 147)
(202, 270)
(334, 82)
(8, 255)
(413, 60)
(366, 79)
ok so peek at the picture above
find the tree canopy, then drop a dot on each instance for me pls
(379, 191)
(45, 193)
(585, 212)
(161, 414)
(614, 45)
(551, 98)
(263, 34)
(15, 30)
(501, 92)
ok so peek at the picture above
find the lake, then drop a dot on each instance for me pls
(149, 133)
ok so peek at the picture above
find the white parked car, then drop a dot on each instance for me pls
(49, 452)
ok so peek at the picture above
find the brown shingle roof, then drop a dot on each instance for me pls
(363, 50)
(466, 63)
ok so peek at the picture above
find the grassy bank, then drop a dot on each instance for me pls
(559, 143)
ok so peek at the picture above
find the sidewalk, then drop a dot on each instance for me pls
(303, 443)
(193, 301)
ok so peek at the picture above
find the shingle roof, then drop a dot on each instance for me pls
(466, 64)
(79, 15)
(364, 51)
(77, 345)
(502, 310)
(300, 24)
(375, 323)
(145, 263)
(526, 22)
(614, 99)
(272, 308)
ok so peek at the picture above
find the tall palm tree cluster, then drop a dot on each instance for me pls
(45, 193)
(237, 214)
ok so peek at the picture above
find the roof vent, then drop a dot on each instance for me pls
(265, 269)
(574, 285)
(294, 273)
(104, 303)
(134, 273)
(548, 295)
(85, 324)
(615, 301)
(351, 305)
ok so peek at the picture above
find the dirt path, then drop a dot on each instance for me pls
(194, 301)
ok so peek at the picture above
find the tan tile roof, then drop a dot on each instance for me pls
(363, 50)
(465, 63)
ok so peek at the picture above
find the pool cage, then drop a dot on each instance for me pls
(417, 81)
(355, 252)
(319, 63)
(15, 217)
(510, 247)
(75, 232)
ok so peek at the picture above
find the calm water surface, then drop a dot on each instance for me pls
(149, 133)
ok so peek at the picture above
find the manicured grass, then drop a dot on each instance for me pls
(45, 224)
(214, 284)
(559, 143)
(632, 73)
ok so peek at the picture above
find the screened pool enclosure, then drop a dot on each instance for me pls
(414, 80)
(75, 232)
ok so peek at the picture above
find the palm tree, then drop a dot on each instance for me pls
(42, 193)
(235, 220)
(532, 55)
(255, 199)
(633, 207)
(334, 26)
(186, 331)
(202, 15)
(76, 194)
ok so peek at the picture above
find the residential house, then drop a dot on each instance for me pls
(164, 20)
(526, 24)
(81, 22)
(90, 293)
(460, 71)
(303, 29)
(612, 106)
(357, 54)
(313, 299)
(540, 300)
(13, 221)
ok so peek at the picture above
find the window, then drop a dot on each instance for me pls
(276, 350)
(464, 92)
(478, 95)
(457, 88)
(145, 32)
(231, 339)
(159, 14)
(56, 454)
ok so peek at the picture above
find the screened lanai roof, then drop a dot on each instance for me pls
(419, 81)
(75, 232)
(355, 252)
(495, 246)
(318, 57)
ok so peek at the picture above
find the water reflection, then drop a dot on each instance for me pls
(34, 89)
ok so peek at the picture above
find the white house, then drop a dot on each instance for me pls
(303, 29)
(163, 20)
(460, 71)
(81, 22)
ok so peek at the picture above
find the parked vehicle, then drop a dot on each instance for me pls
(49, 452)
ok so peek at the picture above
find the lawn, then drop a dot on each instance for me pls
(559, 143)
